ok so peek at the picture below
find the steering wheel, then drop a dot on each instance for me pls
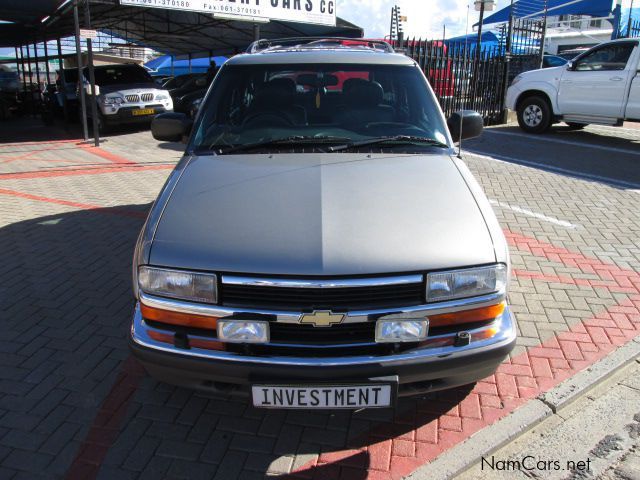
(271, 119)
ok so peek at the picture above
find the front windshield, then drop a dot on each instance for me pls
(250, 104)
(119, 75)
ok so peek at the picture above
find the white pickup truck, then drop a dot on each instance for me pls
(602, 85)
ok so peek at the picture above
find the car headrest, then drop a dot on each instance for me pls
(279, 86)
(276, 92)
(363, 92)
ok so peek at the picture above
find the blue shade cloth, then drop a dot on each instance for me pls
(162, 65)
(488, 40)
(624, 17)
(529, 8)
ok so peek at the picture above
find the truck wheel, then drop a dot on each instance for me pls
(576, 126)
(534, 115)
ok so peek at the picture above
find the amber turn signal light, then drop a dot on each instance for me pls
(467, 316)
(178, 318)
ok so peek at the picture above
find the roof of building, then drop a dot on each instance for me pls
(168, 31)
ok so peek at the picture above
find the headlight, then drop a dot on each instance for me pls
(162, 96)
(469, 282)
(198, 287)
(113, 100)
(516, 79)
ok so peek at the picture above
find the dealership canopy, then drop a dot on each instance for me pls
(176, 32)
(536, 9)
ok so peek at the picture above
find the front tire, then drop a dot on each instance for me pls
(534, 115)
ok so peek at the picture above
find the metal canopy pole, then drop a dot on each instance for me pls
(83, 100)
(35, 59)
(30, 88)
(46, 63)
(92, 79)
(24, 76)
(63, 84)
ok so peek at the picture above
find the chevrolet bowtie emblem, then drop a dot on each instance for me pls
(321, 318)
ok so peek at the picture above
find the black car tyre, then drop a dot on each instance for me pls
(534, 114)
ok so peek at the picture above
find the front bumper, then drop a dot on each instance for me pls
(418, 370)
(513, 93)
(125, 114)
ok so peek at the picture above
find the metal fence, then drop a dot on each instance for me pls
(462, 79)
(465, 77)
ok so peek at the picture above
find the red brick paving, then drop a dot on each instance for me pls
(518, 379)
(394, 449)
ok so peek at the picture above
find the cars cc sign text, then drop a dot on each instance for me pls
(321, 12)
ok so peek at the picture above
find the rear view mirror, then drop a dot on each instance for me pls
(171, 127)
(465, 124)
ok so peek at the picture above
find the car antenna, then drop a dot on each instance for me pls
(464, 72)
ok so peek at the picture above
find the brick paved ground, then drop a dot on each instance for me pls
(74, 405)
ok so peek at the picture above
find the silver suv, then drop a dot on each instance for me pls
(126, 93)
(320, 245)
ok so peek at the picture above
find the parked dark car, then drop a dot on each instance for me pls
(195, 87)
(178, 81)
(66, 90)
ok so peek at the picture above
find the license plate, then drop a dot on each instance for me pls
(322, 396)
(143, 111)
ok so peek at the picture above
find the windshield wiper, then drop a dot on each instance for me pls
(395, 139)
(294, 139)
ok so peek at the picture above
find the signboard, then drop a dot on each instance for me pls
(322, 12)
(92, 34)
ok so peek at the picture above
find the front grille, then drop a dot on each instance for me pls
(147, 97)
(335, 299)
(133, 98)
(344, 333)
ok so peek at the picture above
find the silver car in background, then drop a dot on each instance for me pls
(320, 245)
(125, 94)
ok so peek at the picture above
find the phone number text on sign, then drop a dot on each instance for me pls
(307, 11)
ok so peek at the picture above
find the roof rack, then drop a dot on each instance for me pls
(319, 43)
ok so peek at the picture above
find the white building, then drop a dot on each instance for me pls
(568, 32)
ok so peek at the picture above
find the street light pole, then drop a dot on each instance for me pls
(83, 100)
(479, 43)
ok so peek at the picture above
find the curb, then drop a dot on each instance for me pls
(464, 455)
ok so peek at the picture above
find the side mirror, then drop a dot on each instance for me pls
(171, 127)
(87, 88)
(569, 65)
(465, 124)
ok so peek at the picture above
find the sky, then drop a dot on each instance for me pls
(425, 18)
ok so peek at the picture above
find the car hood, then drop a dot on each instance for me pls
(321, 214)
(129, 88)
(544, 73)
